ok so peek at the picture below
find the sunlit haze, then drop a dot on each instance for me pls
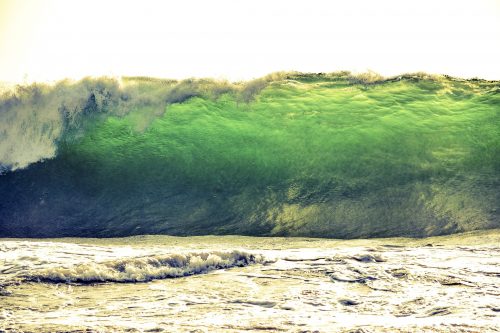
(51, 40)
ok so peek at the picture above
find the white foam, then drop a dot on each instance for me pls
(142, 269)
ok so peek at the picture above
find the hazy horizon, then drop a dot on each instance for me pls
(368, 76)
(52, 40)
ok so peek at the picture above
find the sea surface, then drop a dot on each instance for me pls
(251, 284)
(303, 155)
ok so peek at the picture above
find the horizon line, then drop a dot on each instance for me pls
(375, 76)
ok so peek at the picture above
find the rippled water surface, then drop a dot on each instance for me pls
(239, 284)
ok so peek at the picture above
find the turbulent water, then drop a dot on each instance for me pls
(290, 154)
(328, 155)
(240, 284)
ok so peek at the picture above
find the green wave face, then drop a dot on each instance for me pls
(309, 156)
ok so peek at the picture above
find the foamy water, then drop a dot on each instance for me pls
(238, 284)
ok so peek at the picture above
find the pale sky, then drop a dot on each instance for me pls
(54, 39)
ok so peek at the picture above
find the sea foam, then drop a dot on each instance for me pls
(143, 269)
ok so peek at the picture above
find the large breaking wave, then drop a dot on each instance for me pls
(330, 155)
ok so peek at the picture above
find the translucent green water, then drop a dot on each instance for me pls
(310, 156)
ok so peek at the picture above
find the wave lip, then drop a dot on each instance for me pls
(144, 269)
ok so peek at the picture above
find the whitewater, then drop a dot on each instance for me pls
(240, 284)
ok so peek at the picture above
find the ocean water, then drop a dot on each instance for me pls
(289, 155)
(251, 284)
(312, 155)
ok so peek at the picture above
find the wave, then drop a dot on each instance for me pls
(291, 154)
(145, 269)
(36, 118)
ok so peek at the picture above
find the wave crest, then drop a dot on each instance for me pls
(36, 118)
(145, 269)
